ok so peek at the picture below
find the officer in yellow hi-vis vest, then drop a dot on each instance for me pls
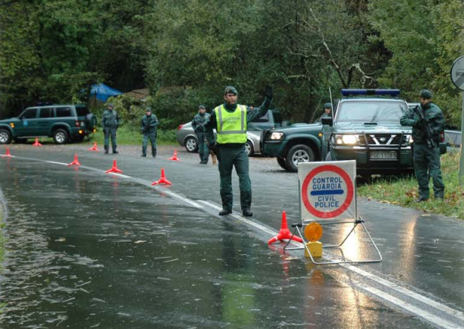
(230, 121)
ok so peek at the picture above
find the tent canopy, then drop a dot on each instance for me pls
(102, 92)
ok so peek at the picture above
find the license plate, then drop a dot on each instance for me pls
(383, 155)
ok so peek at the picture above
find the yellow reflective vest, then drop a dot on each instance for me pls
(231, 127)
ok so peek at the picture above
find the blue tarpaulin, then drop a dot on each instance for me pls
(102, 92)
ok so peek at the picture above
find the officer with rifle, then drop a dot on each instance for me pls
(427, 123)
(148, 127)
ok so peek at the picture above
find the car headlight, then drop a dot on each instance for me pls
(277, 135)
(346, 139)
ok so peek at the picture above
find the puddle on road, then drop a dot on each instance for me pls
(93, 251)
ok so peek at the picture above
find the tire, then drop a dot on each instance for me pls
(249, 148)
(282, 163)
(60, 136)
(191, 145)
(298, 153)
(5, 136)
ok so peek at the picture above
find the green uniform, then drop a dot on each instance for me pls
(110, 124)
(426, 158)
(148, 126)
(231, 152)
(199, 123)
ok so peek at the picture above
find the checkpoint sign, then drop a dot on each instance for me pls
(327, 190)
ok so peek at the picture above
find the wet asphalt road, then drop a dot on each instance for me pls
(89, 250)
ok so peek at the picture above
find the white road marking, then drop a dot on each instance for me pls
(437, 320)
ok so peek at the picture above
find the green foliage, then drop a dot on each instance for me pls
(403, 191)
(129, 134)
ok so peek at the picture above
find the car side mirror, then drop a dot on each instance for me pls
(327, 121)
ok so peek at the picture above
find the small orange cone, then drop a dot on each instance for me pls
(284, 233)
(75, 162)
(114, 169)
(174, 157)
(7, 153)
(94, 147)
(36, 143)
(162, 180)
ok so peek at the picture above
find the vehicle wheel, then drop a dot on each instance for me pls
(249, 148)
(282, 163)
(60, 136)
(5, 136)
(298, 153)
(191, 145)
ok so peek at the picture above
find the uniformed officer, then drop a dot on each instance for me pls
(110, 124)
(230, 121)
(426, 153)
(327, 112)
(199, 126)
(149, 124)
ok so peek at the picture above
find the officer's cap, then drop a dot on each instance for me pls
(426, 94)
(110, 105)
(327, 106)
(202, 107)
(230, 90)
(148, 109)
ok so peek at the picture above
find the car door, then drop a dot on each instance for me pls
(28, 124)
(44, 121)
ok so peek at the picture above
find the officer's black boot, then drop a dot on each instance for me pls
(106, 149)
(115, 151)
(247, 213)
(225, 212)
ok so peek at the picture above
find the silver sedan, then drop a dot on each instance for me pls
(187, 138)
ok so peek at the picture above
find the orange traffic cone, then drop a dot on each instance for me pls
(162, 180)
(36, 143)
(174, 157)
(94, 147)
(114, 169)
(7, 153)
(284, 233)
(75, 162)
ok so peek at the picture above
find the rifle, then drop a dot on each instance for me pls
(425, 125)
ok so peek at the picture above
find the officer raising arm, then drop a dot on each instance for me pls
(427, 123)
(230, 121)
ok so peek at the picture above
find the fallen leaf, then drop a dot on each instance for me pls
(60, 240)
(140, 241)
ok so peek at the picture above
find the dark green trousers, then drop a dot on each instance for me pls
(426, 165)
(110, 132)
(203, 149)
(228, 158)
(152, 138)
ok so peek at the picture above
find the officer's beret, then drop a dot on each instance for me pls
(426, 94)
(110, 105)
(201, 107)
(230, 90)
(327, 106)
(148, 109)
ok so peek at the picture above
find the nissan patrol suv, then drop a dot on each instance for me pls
(366, 128)
(64, 123)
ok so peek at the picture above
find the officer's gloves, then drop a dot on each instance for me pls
(268, 92)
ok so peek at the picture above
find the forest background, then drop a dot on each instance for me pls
(186, 51)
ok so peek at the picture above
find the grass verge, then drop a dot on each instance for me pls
(2, 225)
(130, 135)
(403, 191)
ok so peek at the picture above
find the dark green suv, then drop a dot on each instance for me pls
(366, 128)
(64, 123)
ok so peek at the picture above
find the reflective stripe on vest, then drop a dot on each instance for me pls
(231, 127)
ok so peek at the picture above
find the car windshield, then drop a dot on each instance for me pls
(371, 112)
